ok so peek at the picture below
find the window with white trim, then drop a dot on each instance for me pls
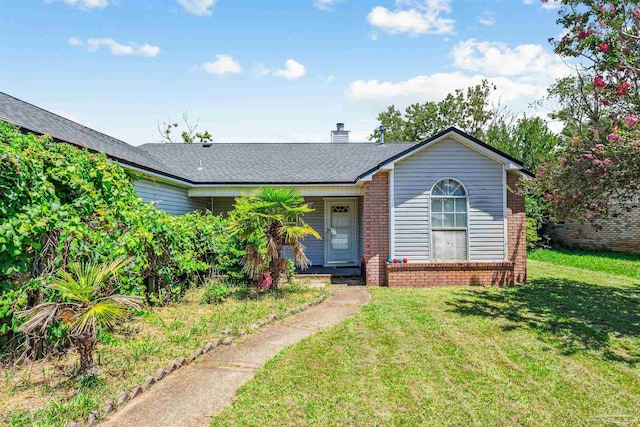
(449, 221)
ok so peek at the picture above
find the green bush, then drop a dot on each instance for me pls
(215, 293)
(535, 211)
(533, 236)
(59, 203)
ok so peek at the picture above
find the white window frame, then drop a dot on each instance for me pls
(431, 229)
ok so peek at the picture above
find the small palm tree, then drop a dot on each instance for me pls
(269, 219)
(87, 308)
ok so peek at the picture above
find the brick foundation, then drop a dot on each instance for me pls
(449, 273)
(376, 229)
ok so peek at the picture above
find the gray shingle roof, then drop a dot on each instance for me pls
(37, 120)
(223, 163)
(239, 163)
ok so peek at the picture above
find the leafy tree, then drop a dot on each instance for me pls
(188, 135)
(269, 219)
(528, 139)
(601, 107)
(469, 110)
(84, 307)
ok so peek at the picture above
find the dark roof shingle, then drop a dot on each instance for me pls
(40, 121)
(277, 163)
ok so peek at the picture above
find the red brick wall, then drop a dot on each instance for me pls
(376, 228)
(516, 229)
(440, 274)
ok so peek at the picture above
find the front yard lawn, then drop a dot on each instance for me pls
(42, 394)
(562, 349)
(618, 263)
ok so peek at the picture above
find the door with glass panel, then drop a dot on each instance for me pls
(340, 219)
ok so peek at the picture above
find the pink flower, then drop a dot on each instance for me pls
(542, 167)
(603, 101)
(613, 137)
(632, 120)
(599, 81)
(590, 215)
(636, 14)
(596, 162)
(587, 156)
(603, 47)
(548, 196)
(606, 161)
(621, 90)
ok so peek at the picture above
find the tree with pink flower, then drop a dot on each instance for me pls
(599, 162)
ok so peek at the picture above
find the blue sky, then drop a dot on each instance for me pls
(267, 70)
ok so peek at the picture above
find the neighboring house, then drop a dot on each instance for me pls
(620, 233)
(444, 204)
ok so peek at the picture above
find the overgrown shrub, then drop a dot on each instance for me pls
(535, 211)
(59, 204)
(215, 292)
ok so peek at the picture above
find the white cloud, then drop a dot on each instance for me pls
(487, 18)
(435, 87)
(550, 4)
(261, 70)
(224, 64)
(529, 61)
(292, 70)
(198, 7)
(74, 41)
(413, 17)
(325, 4)
(94, 44)
(521, 74)
(86, 4)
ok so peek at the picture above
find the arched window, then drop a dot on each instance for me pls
(449, 218)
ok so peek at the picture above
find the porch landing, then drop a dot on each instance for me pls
(337, 275)
(329, 271)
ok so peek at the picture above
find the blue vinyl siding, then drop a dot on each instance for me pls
(415, 176)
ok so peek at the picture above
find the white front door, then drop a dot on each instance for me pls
(341, 238)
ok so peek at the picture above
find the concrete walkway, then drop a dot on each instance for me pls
(190, 396)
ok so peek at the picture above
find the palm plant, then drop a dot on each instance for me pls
(269, 219)
(85, 308)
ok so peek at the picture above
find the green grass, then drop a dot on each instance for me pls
(618, 263)
(41, 393)
(561, 350)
